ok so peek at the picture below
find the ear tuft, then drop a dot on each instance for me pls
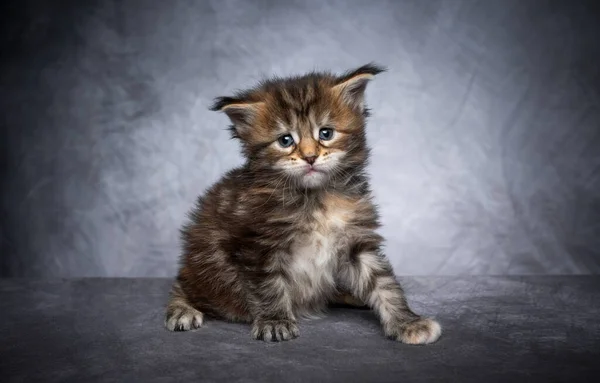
(369, 70)
(351, 85)
(221, 102)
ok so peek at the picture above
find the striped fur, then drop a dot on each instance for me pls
(293, 229)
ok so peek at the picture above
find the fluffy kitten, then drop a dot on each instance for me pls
(293, 229)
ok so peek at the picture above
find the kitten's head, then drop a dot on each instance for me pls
(308, 128)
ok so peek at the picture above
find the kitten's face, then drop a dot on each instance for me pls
(306, 130)
(311, 153)
(312, 140)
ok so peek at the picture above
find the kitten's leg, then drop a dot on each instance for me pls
(274, 317)
(370, 277)
(181, 316)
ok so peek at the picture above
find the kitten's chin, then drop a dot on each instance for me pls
(313, 180)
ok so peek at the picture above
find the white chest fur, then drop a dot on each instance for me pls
(315, 258)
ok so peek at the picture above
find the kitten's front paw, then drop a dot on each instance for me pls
(274, 330)
(419, 331)
(183, 319)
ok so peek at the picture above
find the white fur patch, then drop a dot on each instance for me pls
(296, 137)
(312, 269)
(314, 179)
(315, 258)
(435, 331)
(430, 334)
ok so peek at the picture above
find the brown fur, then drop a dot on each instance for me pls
(276, 238)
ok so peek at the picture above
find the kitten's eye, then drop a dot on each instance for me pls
(325, 134)
(286, 141)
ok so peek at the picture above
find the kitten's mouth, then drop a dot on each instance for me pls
(312, 170)
(313, 177)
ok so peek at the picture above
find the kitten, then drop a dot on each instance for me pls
(293, 229)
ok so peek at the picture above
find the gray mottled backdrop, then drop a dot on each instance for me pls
(485, 130)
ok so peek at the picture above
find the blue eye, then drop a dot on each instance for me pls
(325, 134)
(286, 141)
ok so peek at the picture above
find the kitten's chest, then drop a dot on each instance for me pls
(315, 253)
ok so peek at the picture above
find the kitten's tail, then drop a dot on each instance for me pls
(181, 316)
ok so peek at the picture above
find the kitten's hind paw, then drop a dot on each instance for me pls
(183, 319)
(419, 331)
(274, 330)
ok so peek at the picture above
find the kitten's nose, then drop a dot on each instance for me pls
(310, 159)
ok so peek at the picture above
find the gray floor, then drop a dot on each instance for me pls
(496, 329)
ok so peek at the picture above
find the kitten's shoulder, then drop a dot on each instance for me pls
(223, 190)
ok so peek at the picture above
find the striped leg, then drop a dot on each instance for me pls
(370, 277)
(274, 319)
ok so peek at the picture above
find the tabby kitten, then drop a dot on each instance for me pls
(293, 229)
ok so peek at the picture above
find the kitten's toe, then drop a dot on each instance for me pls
(420, 331)
(184, 319)
(274, 330)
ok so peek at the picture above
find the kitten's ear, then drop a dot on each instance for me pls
(241, 113)
(351, 85)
